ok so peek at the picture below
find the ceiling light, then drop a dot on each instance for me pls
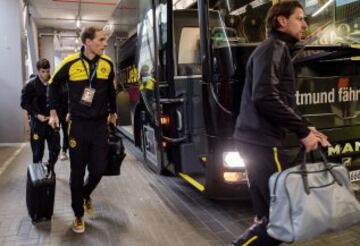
(78, 22)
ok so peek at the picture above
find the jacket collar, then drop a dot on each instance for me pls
(290, 40)
(82, 56)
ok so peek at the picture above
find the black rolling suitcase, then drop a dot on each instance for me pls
(40, 191)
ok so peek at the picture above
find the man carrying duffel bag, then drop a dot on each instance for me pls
(267, 110)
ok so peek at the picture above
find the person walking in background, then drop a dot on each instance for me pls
(267, 110)
(92, 104)
(33, 100)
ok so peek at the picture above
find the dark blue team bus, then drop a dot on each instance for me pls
(183, 77)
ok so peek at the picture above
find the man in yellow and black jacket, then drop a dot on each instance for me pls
(89, 74)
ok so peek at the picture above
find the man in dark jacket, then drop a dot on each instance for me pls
(33, 100)
(268, 109)
(90, 78)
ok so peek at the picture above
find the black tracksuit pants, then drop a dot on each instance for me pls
(88, 146)
(261, 162)
(41, 131)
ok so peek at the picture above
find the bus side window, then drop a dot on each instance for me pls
(189, 52)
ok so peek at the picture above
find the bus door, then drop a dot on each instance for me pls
(187, 85)
(208, 122)
(223, 62)
(179, 85)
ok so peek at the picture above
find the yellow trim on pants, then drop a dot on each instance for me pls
(276, 158)
(69, 127)
(250, 241)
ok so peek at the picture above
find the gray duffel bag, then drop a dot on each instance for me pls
(310, 199)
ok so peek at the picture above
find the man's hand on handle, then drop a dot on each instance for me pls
(54, 119)
(312, 140)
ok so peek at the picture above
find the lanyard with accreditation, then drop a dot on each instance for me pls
(89, 92)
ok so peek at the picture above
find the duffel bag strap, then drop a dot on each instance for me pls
(326, 164)
(304, 172)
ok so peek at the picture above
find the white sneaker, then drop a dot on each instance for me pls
(63, 156)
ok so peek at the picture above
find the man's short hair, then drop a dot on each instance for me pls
(283, 8)
(89, 33)
(42, 64)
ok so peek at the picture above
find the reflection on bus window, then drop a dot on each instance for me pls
(147, 85)
(189, 52)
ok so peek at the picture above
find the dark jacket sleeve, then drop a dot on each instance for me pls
(112, 92)
(266, 94)
(27, 97)
(61, 75)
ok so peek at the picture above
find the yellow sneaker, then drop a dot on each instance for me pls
(88, 207)
(78, 225)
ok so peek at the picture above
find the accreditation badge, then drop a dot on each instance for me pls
(88, 96)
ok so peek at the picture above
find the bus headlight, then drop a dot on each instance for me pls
(234, 177)
(233, 160)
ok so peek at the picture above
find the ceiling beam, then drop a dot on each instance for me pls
(71, 19)
(86, 2)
